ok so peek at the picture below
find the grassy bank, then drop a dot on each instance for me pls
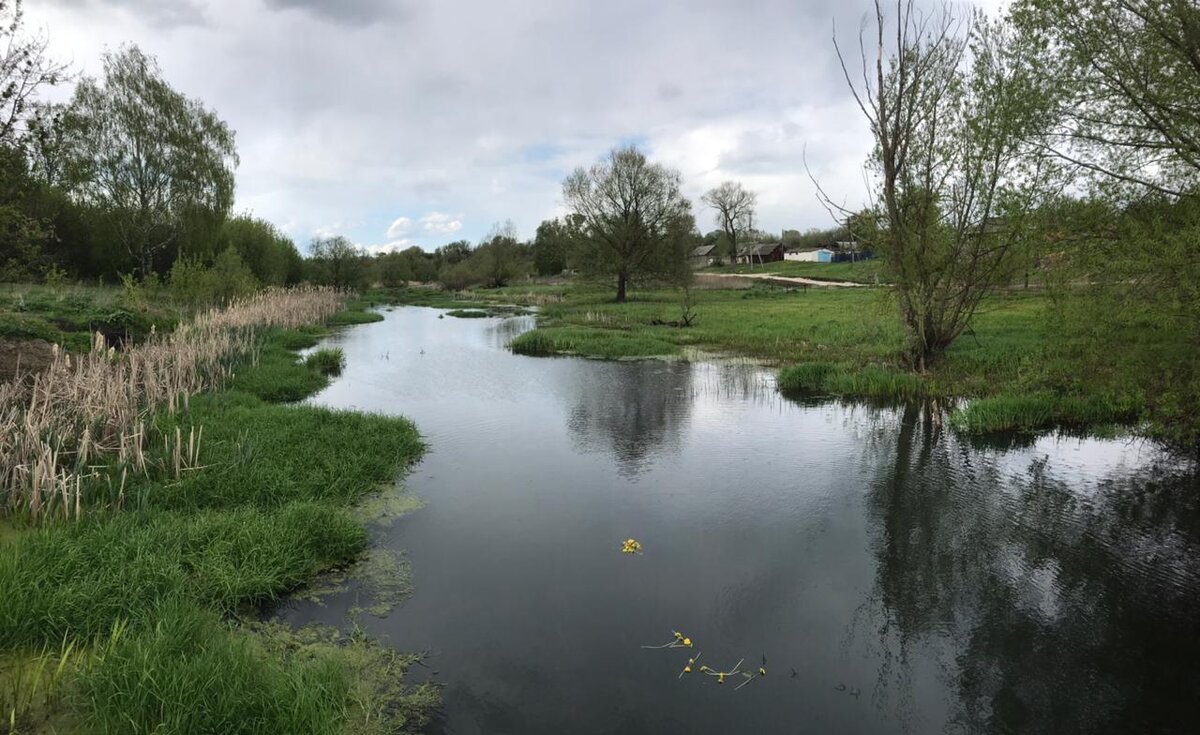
(867, 271)
(847, 342)
(142, 616)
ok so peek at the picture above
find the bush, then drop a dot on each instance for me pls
(197, 286)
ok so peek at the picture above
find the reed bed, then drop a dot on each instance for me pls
(91, 414)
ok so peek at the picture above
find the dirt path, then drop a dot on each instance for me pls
(787, 280)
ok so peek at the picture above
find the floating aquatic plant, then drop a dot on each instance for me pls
(762, 671)
(631, 546)
(737, 669)
(679, 641)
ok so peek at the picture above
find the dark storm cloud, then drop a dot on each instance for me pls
(350, 12)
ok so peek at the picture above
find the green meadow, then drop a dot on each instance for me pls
(146, 615)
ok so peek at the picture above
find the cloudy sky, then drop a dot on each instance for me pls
(401, 122)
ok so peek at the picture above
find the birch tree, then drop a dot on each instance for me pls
(148, 155)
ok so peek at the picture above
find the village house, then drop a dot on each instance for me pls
(703, 256)
(760, 252)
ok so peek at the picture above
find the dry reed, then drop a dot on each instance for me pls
(59, 427)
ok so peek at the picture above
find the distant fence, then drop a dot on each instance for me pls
(852, 257)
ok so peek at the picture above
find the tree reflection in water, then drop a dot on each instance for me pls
(1057, 602)
(634, 413)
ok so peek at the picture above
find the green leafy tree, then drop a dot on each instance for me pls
(22, 236)
(394, 269)
(454, 253)
(148, 155)
(500, 258)
(553, 244)
(952, 112)
(338, 261)
(268, 253)
(635, 220)
(1128, 72)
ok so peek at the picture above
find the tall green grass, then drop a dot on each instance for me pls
(190, 672)
(191, 559)
(1038, 411)
(328, 361)
(79, 581)
(846, 380)
(602, 343)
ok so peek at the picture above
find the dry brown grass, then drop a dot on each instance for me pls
(58, 427)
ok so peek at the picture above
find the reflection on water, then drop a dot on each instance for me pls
(898, 577)
(632, 413)
(1058, 605)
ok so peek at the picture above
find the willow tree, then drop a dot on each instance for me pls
(635, 220)
(152, 158)
(1129, 75)
(1129, 71)
(952, 104)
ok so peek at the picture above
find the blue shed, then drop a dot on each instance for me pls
(824, 255)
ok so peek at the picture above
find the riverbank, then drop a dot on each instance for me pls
(1012, 370)
(144, 614)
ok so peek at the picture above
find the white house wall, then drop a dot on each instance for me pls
(809, 256)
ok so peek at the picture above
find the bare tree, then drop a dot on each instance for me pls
(951, 104)
(734, 206)
(24, 69)
(635, 219)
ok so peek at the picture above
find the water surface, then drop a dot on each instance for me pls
(898, 578)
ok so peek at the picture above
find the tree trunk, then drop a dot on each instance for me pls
(621, 281)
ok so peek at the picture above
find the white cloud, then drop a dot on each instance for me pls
(388, 247)
(401, 227)
(347, 130)
(437, 223)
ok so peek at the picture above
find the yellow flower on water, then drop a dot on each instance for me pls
(762, 671)
(720, 678)
(687, 669)
(631, 546)
(687, 642)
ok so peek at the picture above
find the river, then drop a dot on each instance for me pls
(897, 577)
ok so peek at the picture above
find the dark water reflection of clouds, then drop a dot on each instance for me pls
(959, 586)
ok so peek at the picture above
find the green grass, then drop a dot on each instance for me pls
(846, 380)
(867, 271)
(350, 317)
(601, 343)
(69, 315)
(1038, 411)
(848, 342)
(329, 361)
(278, 377)
(467, 313)
(190, 562)
(193, 673)
(265, 455)
(773, 324)
(78, 581)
